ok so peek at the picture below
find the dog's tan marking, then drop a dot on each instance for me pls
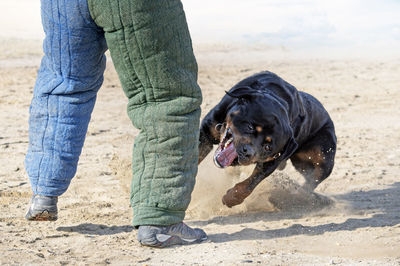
(237, 194)
(235, 112)
(315, 155)
(214, 132)
(258, 129)
(269, 159)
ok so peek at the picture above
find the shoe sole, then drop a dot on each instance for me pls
(164, 241)
(164, 237)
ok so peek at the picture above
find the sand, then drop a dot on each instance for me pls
(353, 219)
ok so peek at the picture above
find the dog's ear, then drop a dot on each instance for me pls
(244, 92)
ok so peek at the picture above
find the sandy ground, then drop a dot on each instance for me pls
(353, 220)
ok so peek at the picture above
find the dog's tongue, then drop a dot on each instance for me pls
(225, 157)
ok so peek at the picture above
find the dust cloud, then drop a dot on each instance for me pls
(278, 192)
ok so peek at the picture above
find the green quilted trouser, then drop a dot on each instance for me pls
(152, 52)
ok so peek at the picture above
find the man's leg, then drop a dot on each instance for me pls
(69, 77)
(152, 51)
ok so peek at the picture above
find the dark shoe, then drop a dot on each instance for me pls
(42, 208)
(165, 236)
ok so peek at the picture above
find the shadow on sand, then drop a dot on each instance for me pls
(383, 205)
(96, 229)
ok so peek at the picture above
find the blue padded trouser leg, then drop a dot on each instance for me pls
(69, 77)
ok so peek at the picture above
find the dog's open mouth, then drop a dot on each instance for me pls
(226, 152)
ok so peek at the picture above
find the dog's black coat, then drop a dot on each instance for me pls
(270, 122)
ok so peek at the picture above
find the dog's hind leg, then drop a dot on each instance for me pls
(315, 158)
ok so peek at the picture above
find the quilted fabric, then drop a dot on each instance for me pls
(152, 52)
(69, 77)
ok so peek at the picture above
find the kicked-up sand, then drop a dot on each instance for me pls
(352, 219)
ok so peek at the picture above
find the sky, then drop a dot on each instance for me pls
(360, 26)
(318, 26)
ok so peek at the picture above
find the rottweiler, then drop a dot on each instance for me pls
(264, 120)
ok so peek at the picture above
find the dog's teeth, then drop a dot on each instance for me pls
(228, 142)
(226, 133)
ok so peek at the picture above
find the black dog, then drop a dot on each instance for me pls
(264, 120)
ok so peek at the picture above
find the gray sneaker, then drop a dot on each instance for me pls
(42, 208)
(165, 236)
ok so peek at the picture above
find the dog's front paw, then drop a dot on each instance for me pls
(235, 195)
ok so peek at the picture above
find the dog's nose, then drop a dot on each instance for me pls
(246, 151)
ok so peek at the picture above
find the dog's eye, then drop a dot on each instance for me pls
(267, 147)
(250, 128)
